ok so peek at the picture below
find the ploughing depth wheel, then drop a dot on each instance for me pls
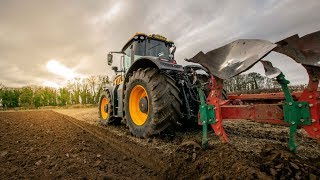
(105, 108)
(151, 102)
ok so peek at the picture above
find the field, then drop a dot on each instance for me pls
(70, 143)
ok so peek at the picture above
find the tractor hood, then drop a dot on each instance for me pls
(233, 58)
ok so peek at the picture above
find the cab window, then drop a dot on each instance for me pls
(127, 58)
(157, 49)
(139, 49)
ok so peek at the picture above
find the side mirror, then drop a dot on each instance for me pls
(110, 56)
(173, 50)
(115, 69)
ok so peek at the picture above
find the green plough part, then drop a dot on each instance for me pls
(207, 116)
(295, 113)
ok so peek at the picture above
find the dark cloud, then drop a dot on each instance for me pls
(80, 33)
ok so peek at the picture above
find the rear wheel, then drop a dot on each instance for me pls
(151, 103)
(105, 108)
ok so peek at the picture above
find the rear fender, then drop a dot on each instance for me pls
(154, 62)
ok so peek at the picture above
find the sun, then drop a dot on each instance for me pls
(59, 69)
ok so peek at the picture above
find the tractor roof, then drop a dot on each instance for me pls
(139, 35)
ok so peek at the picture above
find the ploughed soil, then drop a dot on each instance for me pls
(70, 143)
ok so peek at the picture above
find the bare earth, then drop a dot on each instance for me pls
(70, 143)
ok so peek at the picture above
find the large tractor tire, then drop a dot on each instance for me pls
(105, 108)
(151, 102)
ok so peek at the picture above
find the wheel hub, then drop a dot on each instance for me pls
(138, 105)
(104, 108)
(143, 104)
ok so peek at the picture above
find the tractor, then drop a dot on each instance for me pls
(153, 94)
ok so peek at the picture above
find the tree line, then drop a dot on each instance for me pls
(255, 83)
(87, 91)
(76, 91)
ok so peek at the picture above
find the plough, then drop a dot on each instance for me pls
(298, 109)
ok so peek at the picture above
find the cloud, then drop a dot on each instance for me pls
(80, 33)
(57, 68)
(109, 14)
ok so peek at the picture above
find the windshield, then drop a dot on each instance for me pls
(157, 48)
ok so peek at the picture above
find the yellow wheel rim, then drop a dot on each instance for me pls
(137, 115)
(104, 103)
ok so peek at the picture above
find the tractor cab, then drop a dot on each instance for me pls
(142, 45)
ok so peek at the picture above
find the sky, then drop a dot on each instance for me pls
(50, 42)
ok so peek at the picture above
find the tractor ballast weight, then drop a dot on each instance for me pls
(157, 94)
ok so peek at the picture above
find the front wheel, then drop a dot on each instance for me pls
(105, 108)
(151, 103)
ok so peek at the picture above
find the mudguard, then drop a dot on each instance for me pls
(109, 88)
(156, 61)
(150, 61)
(233, 58)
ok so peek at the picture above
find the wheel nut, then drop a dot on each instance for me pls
(310, 97)
(310, 105)
(302, 120)
(313, 120)
(290, 103)
(300, 105)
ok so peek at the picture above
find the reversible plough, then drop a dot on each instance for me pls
(296, 110)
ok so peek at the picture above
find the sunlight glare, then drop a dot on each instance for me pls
(57, 68)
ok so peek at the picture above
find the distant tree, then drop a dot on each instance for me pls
(37, 97)
(1, 92)
(84, 92)
(92, 85)
(64, 96)
(102, 82)
(10, 98)
(49, 96)
(26, 97)
(74, 88)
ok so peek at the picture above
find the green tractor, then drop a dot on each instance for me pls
(149, 93)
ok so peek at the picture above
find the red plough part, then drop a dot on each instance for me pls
(215, 98)
(311, 95)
